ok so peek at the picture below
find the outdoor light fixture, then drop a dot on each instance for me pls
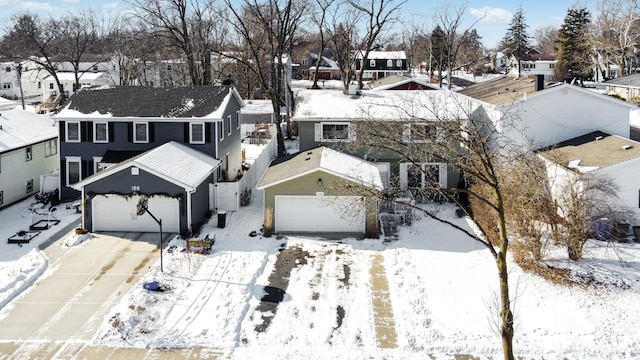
(319, 182)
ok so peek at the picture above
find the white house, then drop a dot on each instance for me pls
(10, 84)
(534, 115)
(28, 149)
(602, 155)
(533, 64)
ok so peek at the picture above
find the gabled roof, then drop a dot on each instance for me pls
(383, 105)
(383, 55)
(592, 151)
(631, 80)
(150, 102)
(20, 128)
(322, 159)
(327, 64)
(70, 76)
(173, 162)
(395, 80)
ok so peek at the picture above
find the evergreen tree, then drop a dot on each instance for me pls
(438, 52)
(516, 41)
(573, 47)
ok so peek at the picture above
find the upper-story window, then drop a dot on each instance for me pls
(100, 132)
(399, 63)
(7, 69)
(305, 61)
(238, 119)
(140, 132)
(6, 85)
(372, 62)
(51, 147)
(389, 63)
(28, 153)
(196, 135)
(51, 86)
(334, 132)
(72, 131)
(229, 128)
(221, 130)
(419, 133)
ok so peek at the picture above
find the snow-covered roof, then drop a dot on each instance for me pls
(202, 102)
(20, 128)
(384, 55)
(172, 161)
(70, 76)
(7, 104)
(401, 105)
(324, 159)
(394, 80)
(257, 107)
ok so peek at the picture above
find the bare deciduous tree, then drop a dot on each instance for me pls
(616, 32)
(545, 38)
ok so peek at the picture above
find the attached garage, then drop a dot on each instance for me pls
(114, 212)
(174, 178)
(321, 192)
(340, 214)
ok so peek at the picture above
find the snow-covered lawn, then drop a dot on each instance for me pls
(442, 288)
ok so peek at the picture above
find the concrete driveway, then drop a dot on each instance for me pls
(81, 285)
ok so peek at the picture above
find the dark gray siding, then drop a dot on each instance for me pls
(200, 203)
(122, 182)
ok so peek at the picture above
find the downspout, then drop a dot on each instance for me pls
(82, 206)
(188, 209)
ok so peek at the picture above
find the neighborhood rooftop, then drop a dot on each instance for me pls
(500, 90)
(19, 128)
(407, 105)
(594, 150)
(148, 102)
(325, 159)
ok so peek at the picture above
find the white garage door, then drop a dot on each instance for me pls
(112, 213)
(320, 214)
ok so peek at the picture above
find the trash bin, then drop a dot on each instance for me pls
(222, 219)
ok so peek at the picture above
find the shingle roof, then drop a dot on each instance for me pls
(144, 101)
(631, 80)
(594, 150)
(172, 161)
(500, 90)
(325, 159)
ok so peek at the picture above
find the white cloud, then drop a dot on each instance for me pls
(492, 15)
(70, 1)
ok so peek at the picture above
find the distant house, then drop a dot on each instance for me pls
(381, 63)
(534, 114)
(571, 162)
(171, 144)
(532, 64)
(400, 82)
(323, 192)
(626, 87)
(328, 69)
(9, 80)
(332, 119)
(28, 150)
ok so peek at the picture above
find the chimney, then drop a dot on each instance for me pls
(539, 82)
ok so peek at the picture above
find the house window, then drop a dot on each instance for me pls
(238, 119)
(6, 86)
(7, 69)
(229, 125)
(420, 176)
(196, 135)
(419, 133)
(140, 132)
(334, 132)
(73, 131)
(100, 132)
(1, 197)
(39, 85)
(51, 147)
(95, 67)
(372, 63)
(28, 153)
(221, 130)
(29, 186)
(51, 86)
(399, 63)
(305, 61)
(74, 168)
(552, 66)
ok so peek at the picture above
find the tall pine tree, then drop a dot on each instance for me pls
(573, 47)
(516, 41)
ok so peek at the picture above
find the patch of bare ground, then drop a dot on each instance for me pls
(566, 277)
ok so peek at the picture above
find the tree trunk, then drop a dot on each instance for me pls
(506, 316)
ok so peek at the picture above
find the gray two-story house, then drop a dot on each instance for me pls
(168, 144)
(393, 129)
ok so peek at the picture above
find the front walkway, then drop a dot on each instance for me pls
(386, 336)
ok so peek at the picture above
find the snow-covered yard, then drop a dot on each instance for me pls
(441, 291)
